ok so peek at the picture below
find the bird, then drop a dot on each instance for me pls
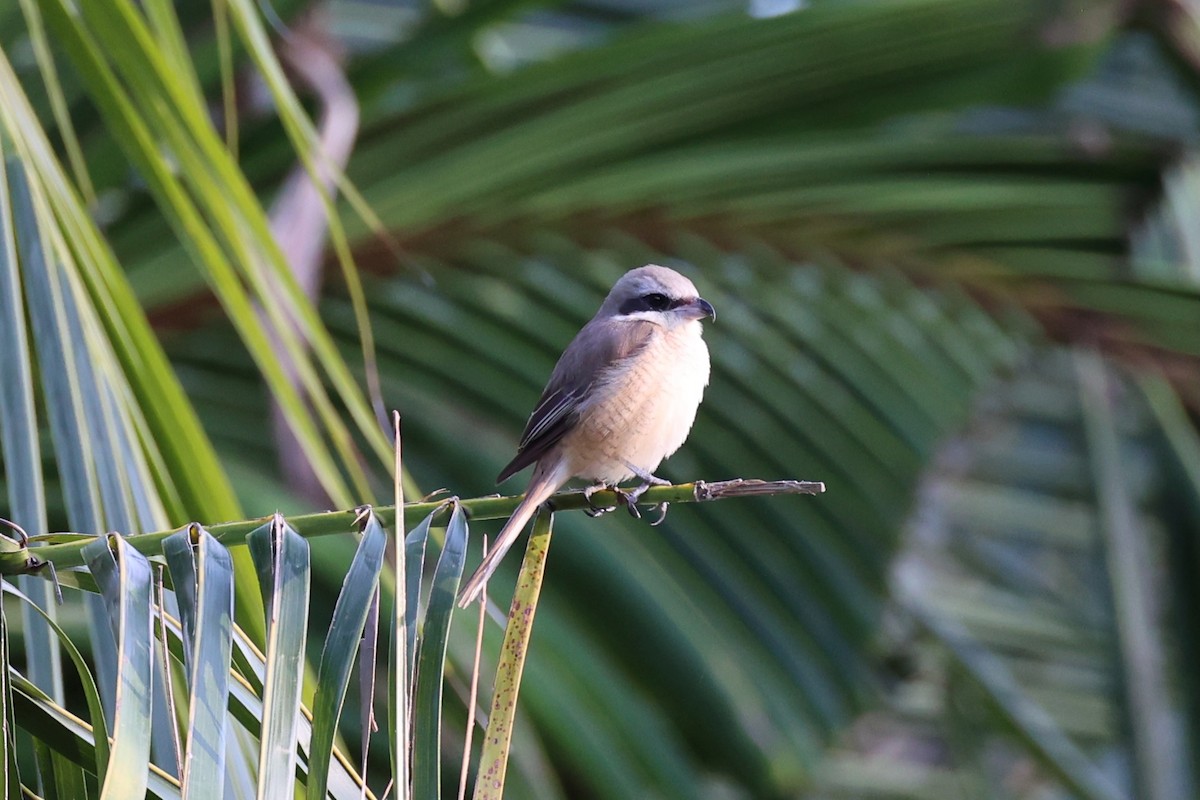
(622, 397)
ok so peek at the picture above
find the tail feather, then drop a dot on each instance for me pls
(540, 489)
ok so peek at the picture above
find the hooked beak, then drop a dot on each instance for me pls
(699, 309)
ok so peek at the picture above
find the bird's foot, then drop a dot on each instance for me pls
(662, 514)
(630, 497)
(593, 510)
(627, 497)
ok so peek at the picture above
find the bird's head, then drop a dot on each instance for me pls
(656, 294)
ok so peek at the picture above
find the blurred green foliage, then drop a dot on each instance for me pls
(951, 247)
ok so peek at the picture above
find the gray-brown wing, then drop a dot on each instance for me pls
(599, 345)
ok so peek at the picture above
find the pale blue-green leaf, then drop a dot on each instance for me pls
(402, 656)
(202, 574)
(414, 566)
(368, 677)
(341, 647)
(129, 501)
(59, 368)
(246, 707)
(22, 451)
(57, 359)
(431, 660)
(281, 557)
(125, 582)
(180, 554)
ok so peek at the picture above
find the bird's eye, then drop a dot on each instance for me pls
(657, 302)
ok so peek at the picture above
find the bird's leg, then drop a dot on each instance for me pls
(593, 510)
(646, 478)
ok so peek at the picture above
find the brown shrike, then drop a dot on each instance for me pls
(622, 397)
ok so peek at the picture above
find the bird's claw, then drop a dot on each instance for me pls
(662, 514)
(629, 498)
(593, 510)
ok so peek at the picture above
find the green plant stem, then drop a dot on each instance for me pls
(493, 761)
(64, 550)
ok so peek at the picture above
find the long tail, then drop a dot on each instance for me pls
(540, 488)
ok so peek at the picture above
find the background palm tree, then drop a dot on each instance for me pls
(951, 244)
